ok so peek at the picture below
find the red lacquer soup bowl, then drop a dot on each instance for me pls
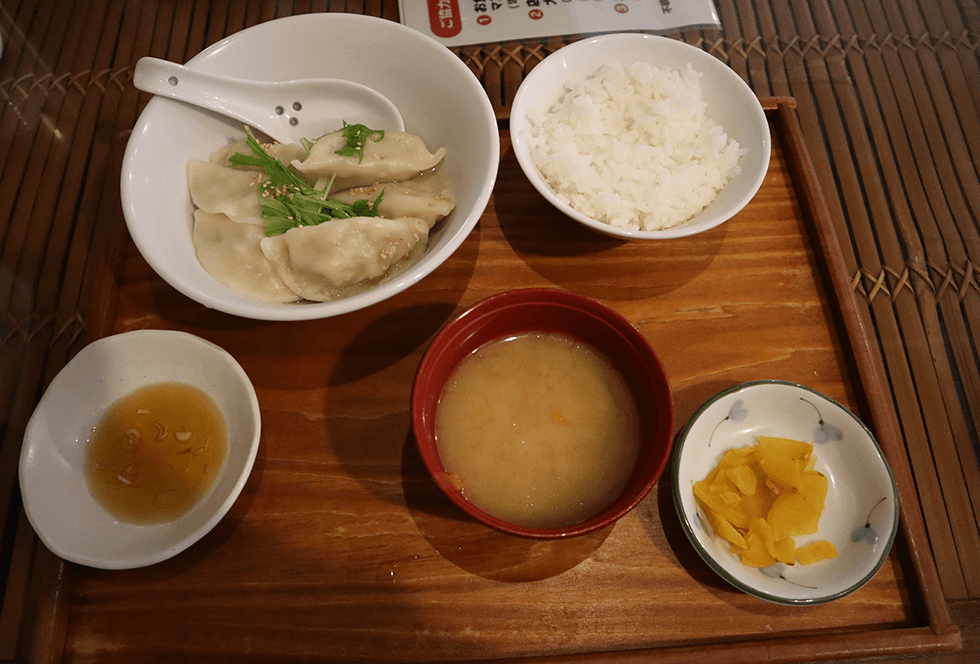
(550, 310)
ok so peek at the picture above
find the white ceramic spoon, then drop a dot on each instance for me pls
(285, 111)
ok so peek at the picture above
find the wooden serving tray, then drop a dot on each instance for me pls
(342, 548)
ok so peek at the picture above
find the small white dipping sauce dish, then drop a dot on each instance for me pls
(66, 516)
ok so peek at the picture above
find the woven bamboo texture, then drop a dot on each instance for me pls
(888, 96)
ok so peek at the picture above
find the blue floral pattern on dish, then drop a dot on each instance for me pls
(866, 532)
(736, 412)
(824, 432)
(777, 571)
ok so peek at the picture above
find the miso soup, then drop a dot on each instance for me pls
(540, 430)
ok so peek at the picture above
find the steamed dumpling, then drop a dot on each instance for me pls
(429, 197)
(337, 258)
(220, 190)
(232, 254)
(346, 256)
(399, 156)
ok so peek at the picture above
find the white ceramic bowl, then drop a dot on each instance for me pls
(730, 103)
(438, 96)
(52, 464)
(861, 511)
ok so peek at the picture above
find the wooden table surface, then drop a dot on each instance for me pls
(888, 104)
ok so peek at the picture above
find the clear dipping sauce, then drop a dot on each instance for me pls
(156, 452)
(540, 430)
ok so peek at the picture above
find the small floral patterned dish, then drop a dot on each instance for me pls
(861, 511)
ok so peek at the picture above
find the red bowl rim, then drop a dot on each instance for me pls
(456, 340)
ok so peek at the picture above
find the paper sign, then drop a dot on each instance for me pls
(461, 22)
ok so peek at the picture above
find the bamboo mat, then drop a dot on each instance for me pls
(888, 96)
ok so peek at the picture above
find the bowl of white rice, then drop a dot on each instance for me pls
(640, 136)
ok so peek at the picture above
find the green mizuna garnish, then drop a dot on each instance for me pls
(288, 201)
(357, 136)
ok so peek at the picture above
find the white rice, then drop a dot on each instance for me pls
(633, 147)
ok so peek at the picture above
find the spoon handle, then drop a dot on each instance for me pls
(211, 91)
(285, 111)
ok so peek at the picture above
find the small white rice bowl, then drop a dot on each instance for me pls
(640, 136)
(631, 146)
